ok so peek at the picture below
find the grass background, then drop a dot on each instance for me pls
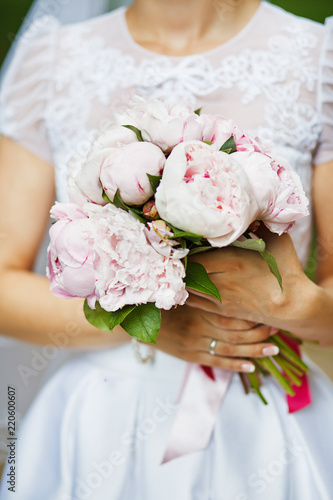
(12, 13)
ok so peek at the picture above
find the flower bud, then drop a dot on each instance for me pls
(254, 226)
(150, 210)
(161, 227)
(126, 169)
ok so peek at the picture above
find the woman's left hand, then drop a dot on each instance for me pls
(249, 290)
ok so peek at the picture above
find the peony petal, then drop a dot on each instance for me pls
(216, 202)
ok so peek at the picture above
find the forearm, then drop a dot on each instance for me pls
(30, 312)
(322, 313)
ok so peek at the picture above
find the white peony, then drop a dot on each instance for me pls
(206, 192)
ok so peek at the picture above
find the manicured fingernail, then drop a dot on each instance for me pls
(248, 367)
(271, 350)
(273, 331)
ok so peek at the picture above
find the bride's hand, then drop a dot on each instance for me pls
(249, 290)
(187, 332)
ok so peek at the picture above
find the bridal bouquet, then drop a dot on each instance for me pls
(162, 184)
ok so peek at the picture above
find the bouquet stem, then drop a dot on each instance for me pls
(286, 367)
(254, 384)
(287, 351)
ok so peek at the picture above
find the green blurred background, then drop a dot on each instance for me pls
(12, 13)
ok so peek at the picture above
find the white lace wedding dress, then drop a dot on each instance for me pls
(99, 428)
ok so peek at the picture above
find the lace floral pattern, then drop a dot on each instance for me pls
(93, 71)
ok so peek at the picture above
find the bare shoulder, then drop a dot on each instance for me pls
(98, 24)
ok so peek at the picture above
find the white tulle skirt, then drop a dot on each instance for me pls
(99, 428)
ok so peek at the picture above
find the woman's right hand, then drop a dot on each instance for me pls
(187, 332)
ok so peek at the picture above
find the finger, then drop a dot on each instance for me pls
(225, 320)
(227, 308)
(207, 302)
(204, 296)
(230, 330)
(233, 364)
(201, 302)
(259, 350)
(227, 323)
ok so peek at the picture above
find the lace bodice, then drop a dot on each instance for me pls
(274, 78)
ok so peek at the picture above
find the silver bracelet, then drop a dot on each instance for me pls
(149, 354)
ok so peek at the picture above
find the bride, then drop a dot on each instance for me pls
(99, 428)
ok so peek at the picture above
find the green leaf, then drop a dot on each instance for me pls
(198, 111)
(260, 246)
(105, 197)
(138, 214)
(135, 213)
(198, 279)
(229, 146)
(154, 181)
(118, 316)
(200, 249)
(272, 266)
(143, 323)
(118, 202)
(207, 142)
(189, 236)
(97, 317)
(251, 244)
(179, 233)
(136, 131)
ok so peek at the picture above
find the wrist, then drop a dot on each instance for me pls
(307, 311)
(294, 308)
(320, 315)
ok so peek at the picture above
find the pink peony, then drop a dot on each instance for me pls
(126, 169)
(161, 123)
(160, 236)
(84, 184)
(277, 189)
(70, 265)
(217, 130)
(206, 192)
(128, 269)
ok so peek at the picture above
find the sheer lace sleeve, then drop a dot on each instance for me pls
(325, 148)
(26, 89)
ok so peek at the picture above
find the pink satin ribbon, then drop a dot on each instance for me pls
(199, 403)
(302, 396)
(200, 399)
